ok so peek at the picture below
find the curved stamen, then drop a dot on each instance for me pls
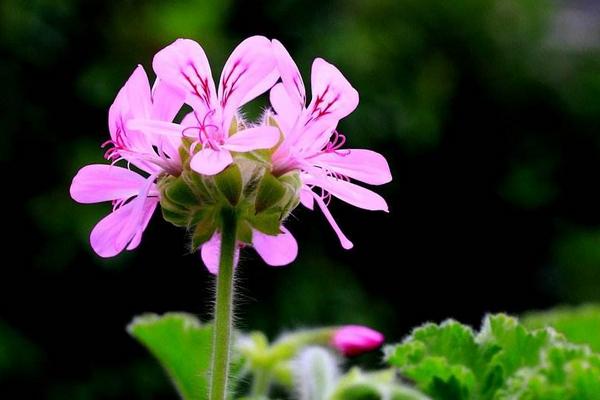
(203, 135)
(335, 144)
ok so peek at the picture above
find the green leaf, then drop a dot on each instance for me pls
(450, 361)
(576, 323)
(182, 345)
(441, 359)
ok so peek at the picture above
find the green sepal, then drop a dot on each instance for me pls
(270, 192)
(267, 221)
(244, 233)
(229, 182)
(177, 191)
(291, 181)
(205, 223)
(271, 121)
(172, 211)
(177, 217)
(184, 150)
(202, 188)
(236, 125)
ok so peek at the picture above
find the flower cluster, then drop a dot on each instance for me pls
(195, 164)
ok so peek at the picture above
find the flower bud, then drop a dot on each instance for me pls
(316, 372)
(355, 339)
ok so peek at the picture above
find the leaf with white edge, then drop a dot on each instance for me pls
(183, 347)
(579, 324)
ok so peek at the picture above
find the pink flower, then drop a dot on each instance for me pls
(134, 196)
(250, 71)
(312, 145)
(274, 250)
(352, 340)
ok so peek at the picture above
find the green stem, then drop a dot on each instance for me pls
(261, 384)
(223, 306)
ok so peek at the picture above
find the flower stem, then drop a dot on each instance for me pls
(223, 306)
(261, 384)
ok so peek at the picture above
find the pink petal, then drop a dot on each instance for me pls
(306, 198)
(189, 120)
(184, 64)
(133, 101)
(275, 250)
(137, 90)
(108, 237)
(100, 182)
(260, 137)
(122, 226)
(160, 136)
(331, 92)
(353, 194)
(210, 162)
(363, 165)
(287, 112)
(149, 208)
(154, 128)
(115, 115)
(250, 71)
(169, 146)
(167, 100)
(346, 243)
(211, 254)
(290, 76)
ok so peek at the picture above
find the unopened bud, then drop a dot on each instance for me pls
(355, 339)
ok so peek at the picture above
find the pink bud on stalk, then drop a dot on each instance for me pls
(353, 340)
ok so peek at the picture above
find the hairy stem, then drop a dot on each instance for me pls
(223, 307)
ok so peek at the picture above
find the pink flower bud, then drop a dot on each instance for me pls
(355, 339)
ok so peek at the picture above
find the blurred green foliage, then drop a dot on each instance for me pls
(18, 356)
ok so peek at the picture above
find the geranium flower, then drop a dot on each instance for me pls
(250, 71)
(312, 144)
(134, 196)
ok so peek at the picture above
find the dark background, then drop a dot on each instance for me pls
(488, 112)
